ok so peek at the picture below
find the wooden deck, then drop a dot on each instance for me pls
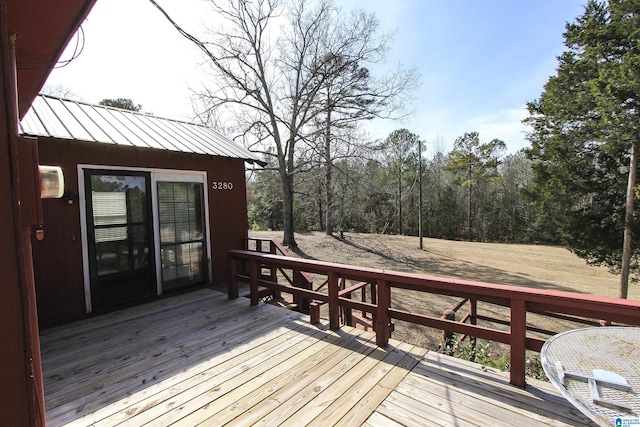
(200, 359)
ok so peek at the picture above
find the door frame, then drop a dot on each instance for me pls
(172, 175)
(179, 176)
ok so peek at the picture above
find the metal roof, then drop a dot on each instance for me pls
(64, 119)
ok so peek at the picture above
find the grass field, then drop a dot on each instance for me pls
(535, 266)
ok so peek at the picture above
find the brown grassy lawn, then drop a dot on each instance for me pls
(541, 267)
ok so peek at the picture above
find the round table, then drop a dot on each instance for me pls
(569, 360)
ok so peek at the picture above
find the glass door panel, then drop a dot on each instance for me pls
(119, 237)
(181, 219)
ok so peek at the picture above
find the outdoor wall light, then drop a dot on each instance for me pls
(51, 182)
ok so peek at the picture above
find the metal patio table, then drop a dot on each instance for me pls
(610, 394)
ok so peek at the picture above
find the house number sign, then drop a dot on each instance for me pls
(222, 185)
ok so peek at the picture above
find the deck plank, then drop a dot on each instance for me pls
(280, 406)
(165, 386)
(456, 392)
(536, 398)
(185, 400)
(418, 414)
(454, 401)
(330, 406)
(264, 396)
(95, 386)
(104, 324)
(358, 414)
(128, 348)
(201, 359)
(379, 420)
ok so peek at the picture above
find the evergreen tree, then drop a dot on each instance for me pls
(585, 135)
(124, 103)
(401, 147)
(476, 165)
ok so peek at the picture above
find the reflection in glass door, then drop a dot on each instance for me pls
(182, 244)
(119, 237)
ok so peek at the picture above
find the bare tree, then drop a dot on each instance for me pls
(349, 93)
(267, 80)
(60, 91)
(270, 61)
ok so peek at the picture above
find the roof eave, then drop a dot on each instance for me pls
(43, 29)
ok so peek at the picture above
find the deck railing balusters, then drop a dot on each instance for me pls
(520, 300)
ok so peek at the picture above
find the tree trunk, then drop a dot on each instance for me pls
(287, 211)
(470, 214)
(628, 218)
(286, 174)
(320, 208)
(420, 193)
(327, 175)
(399, 226)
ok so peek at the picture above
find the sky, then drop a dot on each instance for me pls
(480, 61)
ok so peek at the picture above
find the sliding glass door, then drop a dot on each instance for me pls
(182, 234)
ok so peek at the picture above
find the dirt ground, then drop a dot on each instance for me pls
(535, 266)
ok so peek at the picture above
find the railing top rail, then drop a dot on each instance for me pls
(278, 246)
(521, 300)
(283, 250)
(559, 301)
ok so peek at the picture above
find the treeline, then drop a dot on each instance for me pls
(475, 192)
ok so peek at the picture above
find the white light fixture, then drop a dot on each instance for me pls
(51, 182)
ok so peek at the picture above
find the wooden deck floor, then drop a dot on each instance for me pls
(199, 359)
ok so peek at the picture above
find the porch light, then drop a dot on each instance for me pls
(51, 182)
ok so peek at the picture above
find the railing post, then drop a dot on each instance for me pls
(363, 298)
(518, 341)
(383, 321)
(273, 271)
(473, 311)
(447, 335)
(348, 313)
(253, 281)
(232, 284)
(345, 312)
(473, 319)
(334, 301)
(374, 292)
(299, 282)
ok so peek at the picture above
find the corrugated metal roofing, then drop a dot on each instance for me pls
(64, 119)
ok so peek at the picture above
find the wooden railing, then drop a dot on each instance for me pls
(519, 300)
(472, 317)
(296, 279)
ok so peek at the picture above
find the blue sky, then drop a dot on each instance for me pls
(480, 61)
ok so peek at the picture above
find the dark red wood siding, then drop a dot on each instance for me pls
(15, 402)
(58, 258)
